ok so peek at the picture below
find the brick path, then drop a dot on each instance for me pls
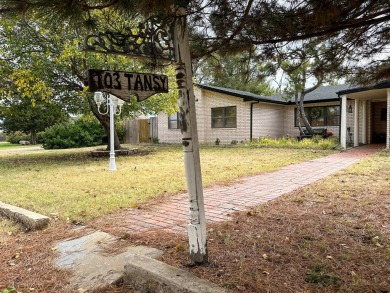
(243, 193)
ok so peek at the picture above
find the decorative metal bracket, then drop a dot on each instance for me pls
(150, 40)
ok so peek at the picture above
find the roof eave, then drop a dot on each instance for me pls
(246, 98)
(378, 86)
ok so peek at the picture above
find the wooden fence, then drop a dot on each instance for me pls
(141, 131)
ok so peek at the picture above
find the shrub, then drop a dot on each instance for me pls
(120, 129)
(90, 125)
(316, 142)
(40, 137)
(85, 131)
(15, 137)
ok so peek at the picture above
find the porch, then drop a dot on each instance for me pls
(365, 115)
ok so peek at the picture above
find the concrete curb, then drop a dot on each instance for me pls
(150, 275)
(32, 221)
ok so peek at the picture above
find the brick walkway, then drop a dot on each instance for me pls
(242, 194)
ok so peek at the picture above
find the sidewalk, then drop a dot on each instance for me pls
(244, 193)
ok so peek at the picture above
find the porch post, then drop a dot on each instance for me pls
(388, 121)
(356, 125)
(343, 122)
(364, 124)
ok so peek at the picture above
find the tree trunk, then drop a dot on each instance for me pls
(303, 115)
(299, 115)
(33, 136)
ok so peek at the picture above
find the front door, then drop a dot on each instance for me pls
(379, 122)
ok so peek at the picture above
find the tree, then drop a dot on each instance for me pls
(236, 72)
(45, 63)
(307, 67)
(359, 28)
(20, 115)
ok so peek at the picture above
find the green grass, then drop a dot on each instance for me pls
(7, 145)
(74, 185)
(318, 275)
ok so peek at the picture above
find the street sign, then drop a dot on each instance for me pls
(125, 84)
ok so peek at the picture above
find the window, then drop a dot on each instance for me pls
(333, 115)
(321, 116)
(224, 117)
(174, 121)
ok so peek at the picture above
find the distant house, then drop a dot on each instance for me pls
(232, 115)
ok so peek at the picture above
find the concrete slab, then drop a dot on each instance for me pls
(152, 276)
(92, 267)
(32, 221)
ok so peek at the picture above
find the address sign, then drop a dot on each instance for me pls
(125, 84)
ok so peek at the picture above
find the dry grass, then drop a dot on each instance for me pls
(7, 229)
(26, 260)
(333, 236)
(70, 184)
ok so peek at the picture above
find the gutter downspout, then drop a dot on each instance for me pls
(251, 121)
(340, 119)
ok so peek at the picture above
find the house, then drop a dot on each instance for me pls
(232, 115)
(370, 121)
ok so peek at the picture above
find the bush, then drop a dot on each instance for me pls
(120, 130)
(85, 131)
(2, 137)
(92, 126)
(40, 137)
(15, 137)
(316, 142)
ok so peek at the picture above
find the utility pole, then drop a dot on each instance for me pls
(197, 226)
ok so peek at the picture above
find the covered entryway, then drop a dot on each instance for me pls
(365, 115)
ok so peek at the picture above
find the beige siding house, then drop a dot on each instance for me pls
(232, 115)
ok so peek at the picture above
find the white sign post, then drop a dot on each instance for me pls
(197, 226)
(155, 43)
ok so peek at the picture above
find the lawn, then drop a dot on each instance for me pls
(331, 236)
(7, 145)
(70, 184)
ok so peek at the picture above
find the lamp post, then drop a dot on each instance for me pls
(112, 103)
